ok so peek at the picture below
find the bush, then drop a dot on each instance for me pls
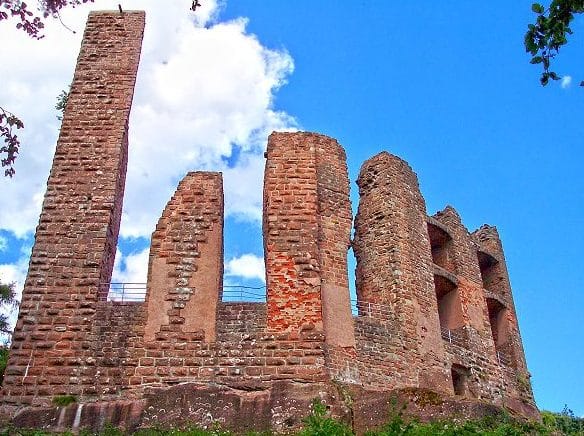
(318, 423)
(4, 351)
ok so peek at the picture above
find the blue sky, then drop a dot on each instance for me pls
(449, 89)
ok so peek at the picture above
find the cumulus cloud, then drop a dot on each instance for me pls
(129, 276)
(247, 266)
(566, 82)
(203, 88)
(132, 268)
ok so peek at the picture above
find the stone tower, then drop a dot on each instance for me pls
(75, 242)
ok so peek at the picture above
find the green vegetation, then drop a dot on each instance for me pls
(64, 400)
(4, 350)
(549, 33)
(8, 303)
(319, 423)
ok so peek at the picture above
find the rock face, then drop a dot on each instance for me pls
(281, 408)
(434, 310)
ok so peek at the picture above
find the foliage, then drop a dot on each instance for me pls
(548, 34)
(565, 422)
(64, 400)
(4, 351)
(319, 423)
(8, 122)
(61, 104)
(7, 301)
(30, 22)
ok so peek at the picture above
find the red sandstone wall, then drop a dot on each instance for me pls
(185, 274)
(52, 351)
(472, 344)
(291, 234)
(335, 220)
(498, 287)
(395, 274)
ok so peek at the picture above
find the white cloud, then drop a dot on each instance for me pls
(566, 82)
(247, 266)
(203, 87)
(132, 268)
(243, 188)
(129, 276)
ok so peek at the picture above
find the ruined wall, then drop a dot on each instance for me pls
(240, 320)
(307, 225)
(185, 270)
(434, 308)
(77, 234)
(291, 234)
(497, 291)
(469, 343)
(394, 276)
(491, 372)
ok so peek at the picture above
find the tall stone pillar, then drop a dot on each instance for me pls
(307, 221)
(185, 274)
(395, 272)
(76, 238)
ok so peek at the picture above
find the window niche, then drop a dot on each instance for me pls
(460, 375)
(442, 248)
(498, 314)
(449, 310)
(491, 273)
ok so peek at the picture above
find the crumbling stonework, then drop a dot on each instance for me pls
(52, 347)
(434, 309)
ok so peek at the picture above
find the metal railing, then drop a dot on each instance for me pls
(136, 292)
(124, 292)
(236, 293)
(454, 337)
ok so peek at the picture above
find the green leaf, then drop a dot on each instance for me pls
(537, 8)
(536, 60)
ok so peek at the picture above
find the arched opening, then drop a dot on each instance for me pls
(441, 246)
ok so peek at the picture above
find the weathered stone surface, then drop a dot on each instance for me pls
(435, 322)
(76, 238)
(280, 408)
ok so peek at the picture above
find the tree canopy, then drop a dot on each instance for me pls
(549, 33)
(8, 303)
(31, 22)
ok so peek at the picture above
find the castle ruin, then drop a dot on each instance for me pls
(434, 307)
